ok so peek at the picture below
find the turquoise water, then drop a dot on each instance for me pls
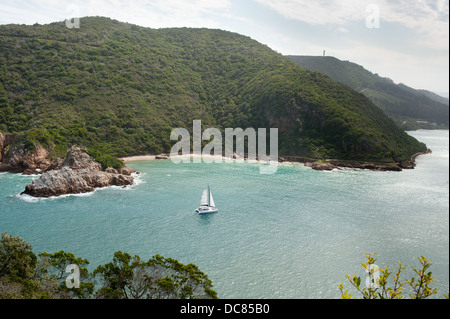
(294, 234)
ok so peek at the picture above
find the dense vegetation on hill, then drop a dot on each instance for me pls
(410, 108)
(119, 89)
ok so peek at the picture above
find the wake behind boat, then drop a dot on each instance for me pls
(207, 205)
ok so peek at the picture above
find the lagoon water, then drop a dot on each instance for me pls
(293, 234)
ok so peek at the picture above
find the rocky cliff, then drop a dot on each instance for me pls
(15, 157)
(78, 173)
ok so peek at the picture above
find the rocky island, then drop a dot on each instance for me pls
(75, 173)
(78, 173)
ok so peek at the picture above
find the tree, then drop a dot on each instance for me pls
(53, 269)
(17, 264)
(23, 275)
(128, 277)
(17, 261)
(377, 286)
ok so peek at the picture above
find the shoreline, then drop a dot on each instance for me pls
(137, 158)
(319, 165)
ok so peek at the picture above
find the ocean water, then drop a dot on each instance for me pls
(293, 234)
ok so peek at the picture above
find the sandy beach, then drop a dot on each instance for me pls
(138, 158)
(204, 158)
(166, 156)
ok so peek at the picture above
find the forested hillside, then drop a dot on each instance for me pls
(119, 89)
(411, 109)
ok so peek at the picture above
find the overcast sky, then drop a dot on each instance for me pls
(407, 41)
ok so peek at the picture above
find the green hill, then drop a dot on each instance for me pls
(410, 108)
(119, 89)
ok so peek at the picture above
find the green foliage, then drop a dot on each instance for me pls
(17, 265)
(119, 89)
(17, 260)
(23, 275)
(53, 267)
(106, 160)
(379, 286)
(35, 136)
(128, 277)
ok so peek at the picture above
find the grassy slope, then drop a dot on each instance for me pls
(120, 89)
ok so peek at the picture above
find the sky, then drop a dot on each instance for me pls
(407, 41)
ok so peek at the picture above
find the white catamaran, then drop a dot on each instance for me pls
(207, 205)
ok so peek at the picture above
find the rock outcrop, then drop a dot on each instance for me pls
(16, 158)
(126, 171)
(320, 166)
(328, 165)
(77, 158)
(79, 173)
(5, 141)
(69, 181)
(369, 166)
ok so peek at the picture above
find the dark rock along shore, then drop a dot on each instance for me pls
(329, 165)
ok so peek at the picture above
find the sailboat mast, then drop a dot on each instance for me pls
(209, 196)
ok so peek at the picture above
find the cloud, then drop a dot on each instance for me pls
(409, 13)
(428, 18)
(195, 13)
(413, 70)
(155, 13)
(318, 12)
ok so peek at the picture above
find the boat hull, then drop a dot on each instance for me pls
(204, 211)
